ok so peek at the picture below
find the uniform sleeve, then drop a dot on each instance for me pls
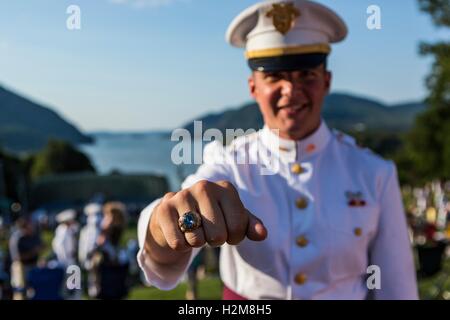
(163, 277)
(391, 250)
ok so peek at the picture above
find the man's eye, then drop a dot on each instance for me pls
(308, 74)
(273, 77)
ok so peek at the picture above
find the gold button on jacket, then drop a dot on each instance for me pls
(297, 169)
(358, 232)
(302, 241)
(300, 278)
(301, 203)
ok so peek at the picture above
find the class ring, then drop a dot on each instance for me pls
(189, 221)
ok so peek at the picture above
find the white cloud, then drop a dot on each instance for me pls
(146, 3)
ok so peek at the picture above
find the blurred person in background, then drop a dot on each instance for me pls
(64, 243)
(109, 261)
(89, 232)
(88, 242)
(25, 246)
(3, 274)
(65, 247)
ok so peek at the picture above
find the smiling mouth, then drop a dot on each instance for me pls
(294, 107)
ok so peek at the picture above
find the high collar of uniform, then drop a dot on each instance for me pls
(294, 150)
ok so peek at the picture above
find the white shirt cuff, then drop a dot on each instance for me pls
(163, 277)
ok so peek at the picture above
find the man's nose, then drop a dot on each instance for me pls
(290, 87)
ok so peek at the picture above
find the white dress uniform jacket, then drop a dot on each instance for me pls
(64, 244)
(331, 209)
(88, 238)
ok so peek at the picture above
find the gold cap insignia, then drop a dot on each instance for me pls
(283, 16)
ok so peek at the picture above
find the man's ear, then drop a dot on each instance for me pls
(328, 78)
(251, 85)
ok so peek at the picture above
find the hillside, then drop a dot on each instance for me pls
(26, 126)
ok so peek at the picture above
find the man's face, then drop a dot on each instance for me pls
(291, 101)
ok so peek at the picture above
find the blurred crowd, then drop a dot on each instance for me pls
(92, 240)
(86, 258)
(428, 213)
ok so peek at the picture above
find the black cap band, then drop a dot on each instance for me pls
(287, 62)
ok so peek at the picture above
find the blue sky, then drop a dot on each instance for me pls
(154, 64)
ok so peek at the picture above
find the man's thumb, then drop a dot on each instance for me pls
(256, 230)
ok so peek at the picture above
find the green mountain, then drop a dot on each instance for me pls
(26, 126)
(341, 111)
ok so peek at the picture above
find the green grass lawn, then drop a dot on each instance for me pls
(209, 289)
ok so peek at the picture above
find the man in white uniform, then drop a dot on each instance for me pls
(89, 233)
(310, 223)
(64, 244)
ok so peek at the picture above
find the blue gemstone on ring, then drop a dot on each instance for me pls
(189, 221)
